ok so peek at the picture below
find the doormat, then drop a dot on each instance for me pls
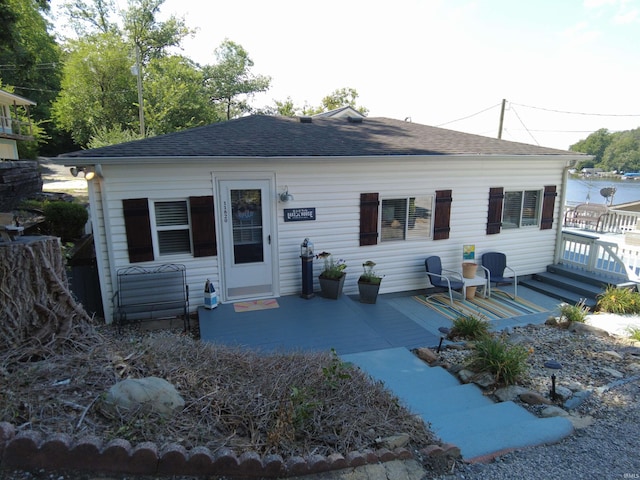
(252, 306)
(499, 305)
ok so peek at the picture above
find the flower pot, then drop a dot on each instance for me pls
(331, 287)
(469, 269)
(368, 292)
(470, 292)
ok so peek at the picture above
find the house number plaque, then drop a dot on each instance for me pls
(299, 214)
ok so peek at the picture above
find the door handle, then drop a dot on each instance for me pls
(269, 239)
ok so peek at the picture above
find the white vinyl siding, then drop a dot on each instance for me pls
(333, 187)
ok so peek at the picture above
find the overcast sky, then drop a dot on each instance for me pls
(436, 62)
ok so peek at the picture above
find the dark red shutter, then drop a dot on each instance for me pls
(548, 205)
(138, 229)
(494, 217)
(203, 226)
(442, 220)
(369, 203)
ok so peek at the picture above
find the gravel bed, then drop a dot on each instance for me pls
(609, 447)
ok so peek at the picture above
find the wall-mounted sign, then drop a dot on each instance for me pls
(299, 214)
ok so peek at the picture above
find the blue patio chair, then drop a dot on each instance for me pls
(440, 277)
(494, 265)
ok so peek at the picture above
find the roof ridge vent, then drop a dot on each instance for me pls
(306, 119)
(354, 119)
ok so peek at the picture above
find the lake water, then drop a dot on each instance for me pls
(583, 189)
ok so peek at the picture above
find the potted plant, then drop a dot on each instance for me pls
(369, 283)
(332, 276)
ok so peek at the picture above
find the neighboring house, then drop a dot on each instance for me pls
(214, 199)
(12, 129)
(19, 179)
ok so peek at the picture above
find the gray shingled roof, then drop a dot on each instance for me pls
(272, 136)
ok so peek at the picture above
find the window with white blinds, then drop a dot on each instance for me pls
(172, 227)
(521, 209)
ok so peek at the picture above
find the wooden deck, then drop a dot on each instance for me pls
(346, 325)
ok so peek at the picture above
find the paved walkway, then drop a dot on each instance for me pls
(378, 338)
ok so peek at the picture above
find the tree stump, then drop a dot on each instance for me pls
(38, 309)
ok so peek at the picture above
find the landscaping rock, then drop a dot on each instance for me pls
(577, 327)
(563, 392)
(613, 354)
(579, 422)
(577, 399)
(152, 392)
(553, 411)
(427, 355)
(484, 379)
(613, 372)
(510, 393)
(466, 376)
(395, 441)
(533, 398)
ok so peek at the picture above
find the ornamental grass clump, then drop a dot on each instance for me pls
(494, 354)
(469, 327)
(574, 313)
(619, 300)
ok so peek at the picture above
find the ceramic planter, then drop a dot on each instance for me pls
(368, 292)
(332, 288)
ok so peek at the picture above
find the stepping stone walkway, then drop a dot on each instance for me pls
(458, 413)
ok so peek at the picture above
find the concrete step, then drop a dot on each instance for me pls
(538, 431)
(458, 413)
(470, 422)
(576, 285)
(567, 296)
(435, 403)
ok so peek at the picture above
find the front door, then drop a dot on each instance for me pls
(247, 266)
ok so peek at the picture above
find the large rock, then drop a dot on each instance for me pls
(150, 392)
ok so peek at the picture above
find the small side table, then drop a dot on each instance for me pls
(476, 281)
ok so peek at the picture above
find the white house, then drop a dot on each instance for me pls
(12, 128)
(214, 199)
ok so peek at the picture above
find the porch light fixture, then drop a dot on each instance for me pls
(285, 196)
(89, 174)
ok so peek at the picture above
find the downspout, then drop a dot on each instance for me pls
(563, 197)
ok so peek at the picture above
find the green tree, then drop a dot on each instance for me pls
(175, 97)
(30, 60)
(152, 37)
(88, 18)
(341, 97)
(595, 144)
(230, 83)
(98, 89)
(623, 153)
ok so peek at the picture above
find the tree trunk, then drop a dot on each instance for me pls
(38, 309)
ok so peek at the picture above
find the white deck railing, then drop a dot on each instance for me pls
(610, 257)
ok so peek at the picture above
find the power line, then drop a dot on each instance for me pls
(525, 127)
(578, 113)
(468, 116)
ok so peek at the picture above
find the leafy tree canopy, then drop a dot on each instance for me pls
(230, 82)
(30, 57)
(341, 97)
(619, 151)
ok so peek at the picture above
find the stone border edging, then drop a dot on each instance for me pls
(29, 451)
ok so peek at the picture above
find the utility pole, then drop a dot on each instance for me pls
(501, 118)
(140, 98)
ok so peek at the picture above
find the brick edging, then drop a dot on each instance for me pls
(30, 450)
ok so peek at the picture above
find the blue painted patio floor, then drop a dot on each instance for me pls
(378, 338)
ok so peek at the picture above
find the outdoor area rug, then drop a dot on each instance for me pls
(254, 305)
(498, 305)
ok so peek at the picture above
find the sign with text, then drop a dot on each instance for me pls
(299, 214)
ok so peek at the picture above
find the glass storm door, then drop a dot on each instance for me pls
(246, 237)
